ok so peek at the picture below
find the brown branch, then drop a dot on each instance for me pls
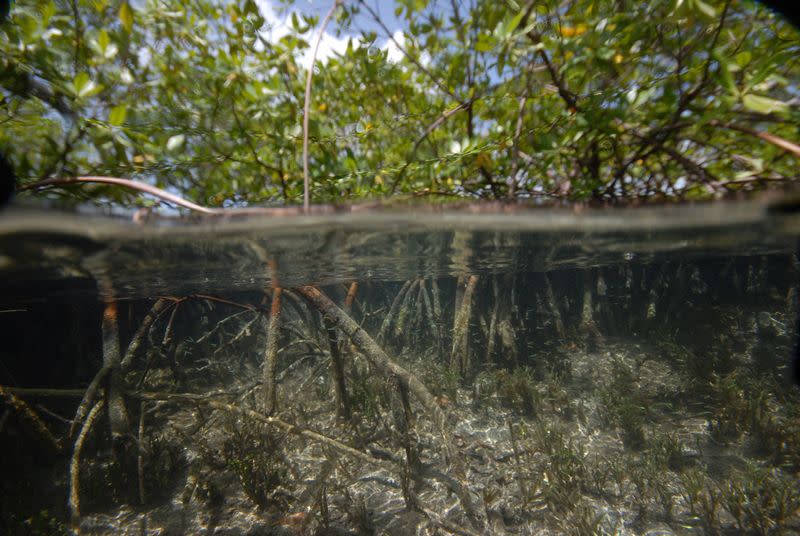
(127, 183)
(693, 168)
(442, 85)
(783, 143)
(430, 128)
(515, 152)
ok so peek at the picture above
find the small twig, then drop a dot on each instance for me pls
(433, 126)
(243, 332)
(208, 297)
(221, 323)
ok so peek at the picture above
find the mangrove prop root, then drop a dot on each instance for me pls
(337, 372)
(375, 354)
(140, 457)
(405, 309)
(437, 316)
(30, 418)
(271, 353)
(351, 296)
(75, 466)
(86, 401)
(492, 322)
(459, 360)
(117, 413)
(426, 306)
(158, 307)
(552, 303)
(387, 321)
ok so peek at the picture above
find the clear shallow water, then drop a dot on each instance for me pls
(500, 372)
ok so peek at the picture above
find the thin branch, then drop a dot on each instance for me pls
(783, 143)
(307, 104)
(443, 86)
(127, 183)
(433, 126)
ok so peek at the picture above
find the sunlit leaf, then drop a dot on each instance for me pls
(764, 105)
(117, 115)
(126, 16)
(175, 142)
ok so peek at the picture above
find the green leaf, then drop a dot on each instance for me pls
(103, 40)
(83, 86)
(117, 115)
(764, 105)
(175, 142)
(513, 23)
(704, 9)
(725, 74)
(81, 80)
(485, 43)
(126, 16)
(743, 58)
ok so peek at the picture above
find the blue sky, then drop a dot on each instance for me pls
(278, 19)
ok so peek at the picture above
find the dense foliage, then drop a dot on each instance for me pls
(572, 99)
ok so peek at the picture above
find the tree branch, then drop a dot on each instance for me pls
(307, 103)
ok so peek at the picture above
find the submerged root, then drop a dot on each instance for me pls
(459, 358)
(271, 353)
(375, 354)
(75, 465)
(30, 418)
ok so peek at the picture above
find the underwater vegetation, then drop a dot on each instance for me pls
(635, 399)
